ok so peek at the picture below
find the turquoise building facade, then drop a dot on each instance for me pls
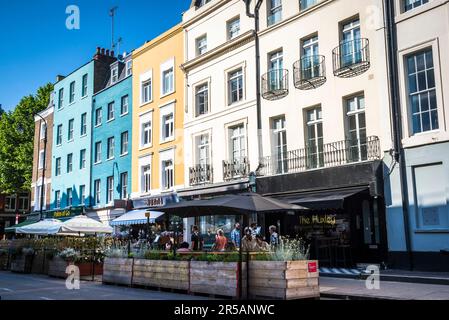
(72, 139)
(111, 143)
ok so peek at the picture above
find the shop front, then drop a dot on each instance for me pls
(64, 214)
(344, 222)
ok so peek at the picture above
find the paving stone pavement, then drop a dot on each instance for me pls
(352, 288)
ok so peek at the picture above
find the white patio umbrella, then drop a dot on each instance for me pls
(42, 228)
(84, 225)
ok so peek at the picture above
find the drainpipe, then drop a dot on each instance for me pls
(399, 154)
(255, 15)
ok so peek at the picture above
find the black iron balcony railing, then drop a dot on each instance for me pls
(275, 84)
(235, 169)
(322, 156)
(309, 72)
(351, 58)
(200, 174)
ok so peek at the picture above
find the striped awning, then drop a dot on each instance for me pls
(136, 217)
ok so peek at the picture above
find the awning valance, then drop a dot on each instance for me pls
(329, 199)
(136, 217)
(12, 229)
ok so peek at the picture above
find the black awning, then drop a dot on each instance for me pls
(329, 199)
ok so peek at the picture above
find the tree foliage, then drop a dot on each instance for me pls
(16, 141)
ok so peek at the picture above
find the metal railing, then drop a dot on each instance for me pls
(309, 72)
(275, 84)
(322, 156)
(235, 169)
(200, 174)
(351, 58)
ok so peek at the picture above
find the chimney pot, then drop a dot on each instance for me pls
(112, 53)
(102, 50)
(98, 50)
(107, 52)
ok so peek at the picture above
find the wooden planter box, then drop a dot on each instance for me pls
(58, 266)
(118, 271)
(217, 278)
(284, 280)
(22, 264)
(40, 263)
(161, 274)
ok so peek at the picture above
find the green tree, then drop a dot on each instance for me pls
(16, 141)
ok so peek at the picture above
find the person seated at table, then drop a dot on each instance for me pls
(255, 230)
(249, 242)
(184, 247)
(261, 244)
(220, 241)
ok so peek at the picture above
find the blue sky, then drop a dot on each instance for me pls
(35, 44)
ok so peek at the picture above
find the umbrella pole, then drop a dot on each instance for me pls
(240, 264)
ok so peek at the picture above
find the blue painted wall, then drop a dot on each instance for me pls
(121, 123)
(62, 116)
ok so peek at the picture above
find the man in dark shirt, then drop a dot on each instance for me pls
(197, 239)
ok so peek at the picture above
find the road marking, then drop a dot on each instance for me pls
(6, 289)
(45, 298)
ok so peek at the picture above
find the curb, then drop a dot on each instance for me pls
(392, 278)
(356, 297)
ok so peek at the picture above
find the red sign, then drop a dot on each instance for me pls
(313, 267)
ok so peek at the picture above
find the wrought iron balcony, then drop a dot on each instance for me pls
(309, 72)
(275, 84)
(351, 58)
(200, 174)
(235, 169)
(322, 156)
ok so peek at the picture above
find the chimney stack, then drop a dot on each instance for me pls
(59, 78)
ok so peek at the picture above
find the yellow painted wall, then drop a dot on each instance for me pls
(151, 56)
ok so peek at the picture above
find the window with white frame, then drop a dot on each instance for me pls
(168, 77)
(69, 162)
(24, 203)
(279, 143)
(97, 192)
(274, 11)
(111, 113)
(61, 98)
(129, 68)
(356, 128)
(201, 45)
(351, 46)
(114, 74)
(422, 91)
(98, 117)
(202, 99)
(58, 167)
(235, 86)
(110, 188)
(146, 91)
(167, 174)
(82, 195)
(124, 185)
(71, 129)
(84, 86)
(167, 122)
(72, 92)
(59, 135)
(125, 105)
(412, 4)
(37, 198)
(111, 147)
(233, 28)
(57, 199)
(97, 158)
(314, 138)
(41, 159)
(276, 73)
(237, 143)
(83, 124)
(43, 130)
(69, 197)
(203, 150)
(310, 62)
(124, 143)
(10, 203)
(146, 179)
(146, 130)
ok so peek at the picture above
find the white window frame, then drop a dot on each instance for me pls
(58, 169)
(229, 78)
(201, 45)
(109, 109)
(114, 74)
(71, 163)
(37, 197)
(72, 89)
(41, 159)
(71, 130)
(129, 68)
(110, 189)
(69, 197)
(122, 104)
(233, 31)
(124, 185)
(207, 101)
(97, 192)
(8, 200)
(243, 136)
(146, 78)
(58, 199)
(83, 125)
(59, 135)
(144, 119)
(43, 128)
(164, 156)
(279, 130)
(164, 112)
(166, 67)
(84, 85)
(122, 144)
(198, 145)
(82, 195)
(98, 120)
(145, 162)
(110, 147)
(97, 155)
(27, 208)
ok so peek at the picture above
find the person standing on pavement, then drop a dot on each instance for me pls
(235, 235)
(274, 237)
(197, 239)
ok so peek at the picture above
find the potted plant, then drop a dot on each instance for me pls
(284, 273)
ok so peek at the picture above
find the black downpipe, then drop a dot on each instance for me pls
(399, 154)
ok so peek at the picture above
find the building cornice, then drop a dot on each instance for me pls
(205, 13)
(157, 41)
(229, 46)
(45, 113)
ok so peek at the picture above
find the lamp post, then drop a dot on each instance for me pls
(255, 15)
(43, 167)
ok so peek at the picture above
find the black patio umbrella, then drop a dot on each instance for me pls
(239, 204)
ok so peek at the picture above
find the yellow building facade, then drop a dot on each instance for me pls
(158, 118)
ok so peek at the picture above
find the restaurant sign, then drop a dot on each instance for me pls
(155, 202)
(318, 219)
(61, 214)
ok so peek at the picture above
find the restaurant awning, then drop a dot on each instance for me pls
(84, 225)
(43, 228)
(329, 199)
(136, 217)
(12, 229)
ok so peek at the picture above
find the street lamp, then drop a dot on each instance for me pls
(43, 167)
(255, 15)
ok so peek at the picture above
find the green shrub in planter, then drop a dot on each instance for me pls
(3, 252)
(69, 255)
